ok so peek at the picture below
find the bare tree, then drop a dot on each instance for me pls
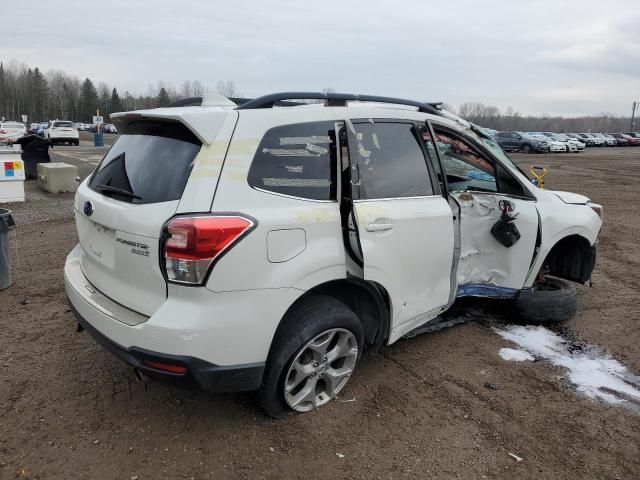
(227, 88)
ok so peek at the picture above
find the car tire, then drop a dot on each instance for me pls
(526, 148)
(308, 322)
(552, 302)
(76, 143)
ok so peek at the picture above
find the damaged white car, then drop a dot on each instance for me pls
(260, 248)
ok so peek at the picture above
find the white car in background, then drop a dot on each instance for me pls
(62, 131)
(609, 141)
(12, 130)
(554, 145)
(597, 141)
(574, 144)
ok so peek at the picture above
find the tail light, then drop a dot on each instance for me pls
(3, 131)
(193, 243)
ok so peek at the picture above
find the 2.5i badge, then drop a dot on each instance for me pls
(137, 248)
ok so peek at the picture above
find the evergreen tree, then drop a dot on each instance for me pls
(3, 92)
(39, 92)
(163, 98)
(116, 103)
(88, 100)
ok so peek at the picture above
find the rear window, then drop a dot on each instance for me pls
(13, 126)
(297, 160)
(63, 124)
(150, 162)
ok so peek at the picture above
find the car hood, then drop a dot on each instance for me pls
(570, 197)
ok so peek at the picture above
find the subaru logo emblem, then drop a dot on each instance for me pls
(88, 208)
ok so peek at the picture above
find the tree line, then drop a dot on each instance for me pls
(58, 95)
(492, 117)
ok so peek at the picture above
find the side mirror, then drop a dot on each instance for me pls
(519, 137)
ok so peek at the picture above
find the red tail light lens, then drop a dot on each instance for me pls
(167, 367)
(3, 131)
(193, 243)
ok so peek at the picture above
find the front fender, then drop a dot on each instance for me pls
(558, 221)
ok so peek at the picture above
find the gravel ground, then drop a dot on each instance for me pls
(439, 405)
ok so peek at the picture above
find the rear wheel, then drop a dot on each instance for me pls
(314, 354)
(550, 301)
(526, 149)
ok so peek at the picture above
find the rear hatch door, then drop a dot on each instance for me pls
(121, 210)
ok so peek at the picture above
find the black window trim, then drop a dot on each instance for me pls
(416, 127)
(489, 156)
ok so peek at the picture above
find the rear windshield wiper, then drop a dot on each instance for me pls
(119, 191)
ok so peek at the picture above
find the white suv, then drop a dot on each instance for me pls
(60, 131)
(263, 247)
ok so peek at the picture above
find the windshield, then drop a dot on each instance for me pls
(560, 136)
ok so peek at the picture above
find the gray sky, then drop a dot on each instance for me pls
(546, 56)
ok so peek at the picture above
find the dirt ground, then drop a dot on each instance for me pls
(416, 409)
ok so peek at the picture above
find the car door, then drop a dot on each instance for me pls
(404, 225)
(483, 188)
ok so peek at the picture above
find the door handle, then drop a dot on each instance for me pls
(379, 227)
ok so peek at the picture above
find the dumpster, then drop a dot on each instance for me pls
(35, 150)
(6, 225)
(11, 176)
(98, 139)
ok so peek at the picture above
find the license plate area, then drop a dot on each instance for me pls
(99, 243)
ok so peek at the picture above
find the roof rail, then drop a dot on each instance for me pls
(334, 100)
(197, 101)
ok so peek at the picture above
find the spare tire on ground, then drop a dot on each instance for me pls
(553, 301)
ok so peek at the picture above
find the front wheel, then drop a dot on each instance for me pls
(526, 149)
(313, 356)
(551, 301)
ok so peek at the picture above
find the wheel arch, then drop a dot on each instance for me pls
(571, 257)
(369, 300)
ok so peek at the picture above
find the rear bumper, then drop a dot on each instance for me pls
(223, 338)
(200, 374)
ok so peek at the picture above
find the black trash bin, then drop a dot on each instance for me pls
(35, 150)
(6, 225)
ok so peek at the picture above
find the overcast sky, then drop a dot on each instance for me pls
(545, 56)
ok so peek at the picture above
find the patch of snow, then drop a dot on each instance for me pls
(515, 355)
(594, 372)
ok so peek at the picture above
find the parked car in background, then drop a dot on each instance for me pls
(609, 141)
(633, 134)
(12, 130)
(42, 127)
(109, 128)
(33, 128)
(573, 145)
(62, 131)
(554, 145)
(628, 139)
(597, 141)
(586, 139)
(520, 141)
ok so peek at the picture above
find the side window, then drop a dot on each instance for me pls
(390, 161)
(297, 160)
(508, 184)
(465, 167)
